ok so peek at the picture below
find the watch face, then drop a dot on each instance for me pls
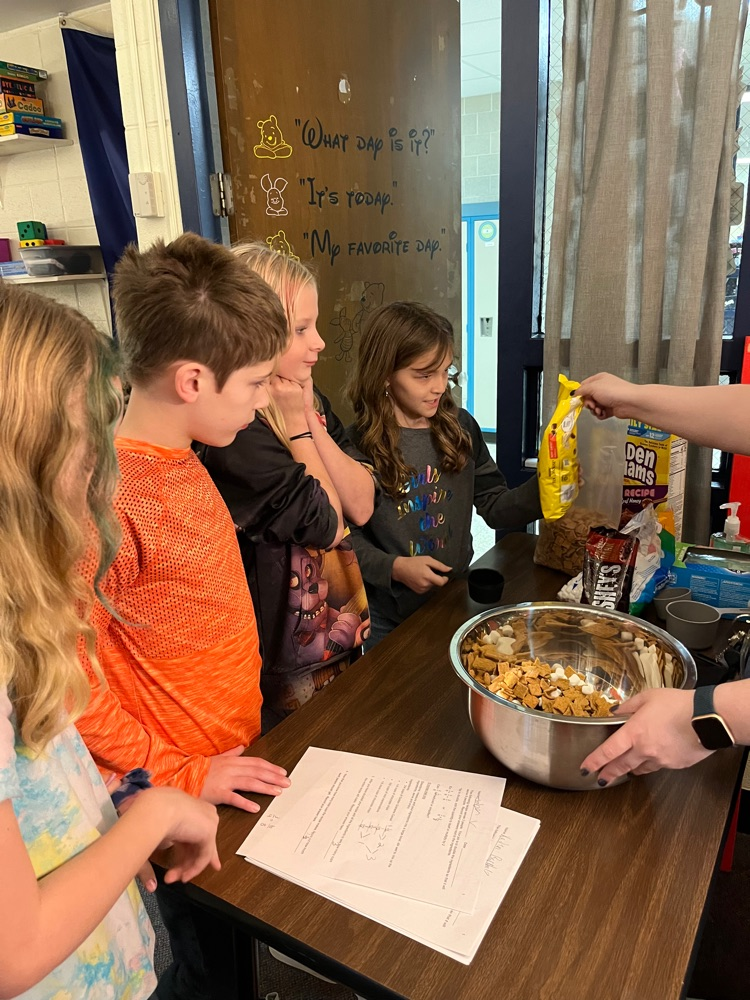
(712, 732)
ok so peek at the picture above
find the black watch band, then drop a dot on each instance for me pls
(710, 728)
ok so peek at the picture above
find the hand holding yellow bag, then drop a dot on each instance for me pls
(558, 465)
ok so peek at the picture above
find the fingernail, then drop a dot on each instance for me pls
(151, 885)
(602, 782)
(585, 772)
(614, 708)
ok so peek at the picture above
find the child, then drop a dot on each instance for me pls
(431, 460)
(199, 334)
(290, 480)
(71, 920)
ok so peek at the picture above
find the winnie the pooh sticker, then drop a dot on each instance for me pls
(271, 145)
(281, 244)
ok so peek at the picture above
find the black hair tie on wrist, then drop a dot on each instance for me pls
(304, 434)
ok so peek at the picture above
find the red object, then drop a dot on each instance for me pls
(54, 243)
(739, 484)
(727, 856)
(5, 250)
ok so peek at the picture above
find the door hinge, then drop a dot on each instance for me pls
(222, 201)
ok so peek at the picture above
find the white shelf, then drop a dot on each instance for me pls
(19, 143)
(33, 279)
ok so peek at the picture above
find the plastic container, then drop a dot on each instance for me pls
(53, 262)
(730, 537)
(666, 596)
(694, 624)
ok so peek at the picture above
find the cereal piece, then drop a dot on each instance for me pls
(563, 683)
(535, 688)
(491, 653)
(530, 701)
(482, 663)
(569, 671)
(521, 690)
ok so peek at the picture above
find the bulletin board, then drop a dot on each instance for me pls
(340, 127)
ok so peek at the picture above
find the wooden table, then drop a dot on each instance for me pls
(608, 902)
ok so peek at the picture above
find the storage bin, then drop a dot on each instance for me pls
(49, 262)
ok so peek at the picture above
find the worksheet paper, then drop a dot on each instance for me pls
(316, 832)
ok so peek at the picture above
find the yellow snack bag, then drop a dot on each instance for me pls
(558, 456)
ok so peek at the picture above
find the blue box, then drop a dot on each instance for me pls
(714, 576)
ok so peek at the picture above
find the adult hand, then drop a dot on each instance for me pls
(290, 399)
(608, 396)
(419, 573)
(229, 772)
(657, 734)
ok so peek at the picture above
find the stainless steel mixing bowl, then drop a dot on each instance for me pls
(600, 644)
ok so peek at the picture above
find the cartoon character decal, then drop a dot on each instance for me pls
(318, 631)
(346, 337)
(281, 244)
(271, 145)
(274, 201)
(370, 299)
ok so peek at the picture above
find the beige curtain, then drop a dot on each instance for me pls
(638, 251)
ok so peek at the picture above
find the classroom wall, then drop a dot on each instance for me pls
(145, 109)
(50, 185)
(480, 148)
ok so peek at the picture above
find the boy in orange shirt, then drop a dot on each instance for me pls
(199, 333)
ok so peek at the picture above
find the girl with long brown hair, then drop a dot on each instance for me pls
(71, 920)
(431, 459)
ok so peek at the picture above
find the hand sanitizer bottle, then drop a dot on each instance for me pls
(730, 537)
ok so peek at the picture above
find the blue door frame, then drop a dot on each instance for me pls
(470, 214)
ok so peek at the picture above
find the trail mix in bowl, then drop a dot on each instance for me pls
(533, 683)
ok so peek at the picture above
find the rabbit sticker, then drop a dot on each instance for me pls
(274, 201)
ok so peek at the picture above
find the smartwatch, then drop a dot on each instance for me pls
(710, 728)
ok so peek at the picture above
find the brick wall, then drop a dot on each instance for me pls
(480, 141)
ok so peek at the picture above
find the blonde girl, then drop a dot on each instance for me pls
(291, 481)
(71, 920)
(431, 460)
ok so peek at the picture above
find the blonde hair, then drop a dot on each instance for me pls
(55, 369)
(394, 336)
(191, 300)
(287, 277)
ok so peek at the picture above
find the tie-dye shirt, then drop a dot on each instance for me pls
(62, 806)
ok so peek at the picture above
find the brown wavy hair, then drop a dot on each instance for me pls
(395, 335)
(53, 366)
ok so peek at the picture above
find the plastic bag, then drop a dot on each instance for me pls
(608, 569)
(654, 529)
(596, 455)
(558, 455)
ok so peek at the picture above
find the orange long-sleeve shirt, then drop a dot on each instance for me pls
(183, 665)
